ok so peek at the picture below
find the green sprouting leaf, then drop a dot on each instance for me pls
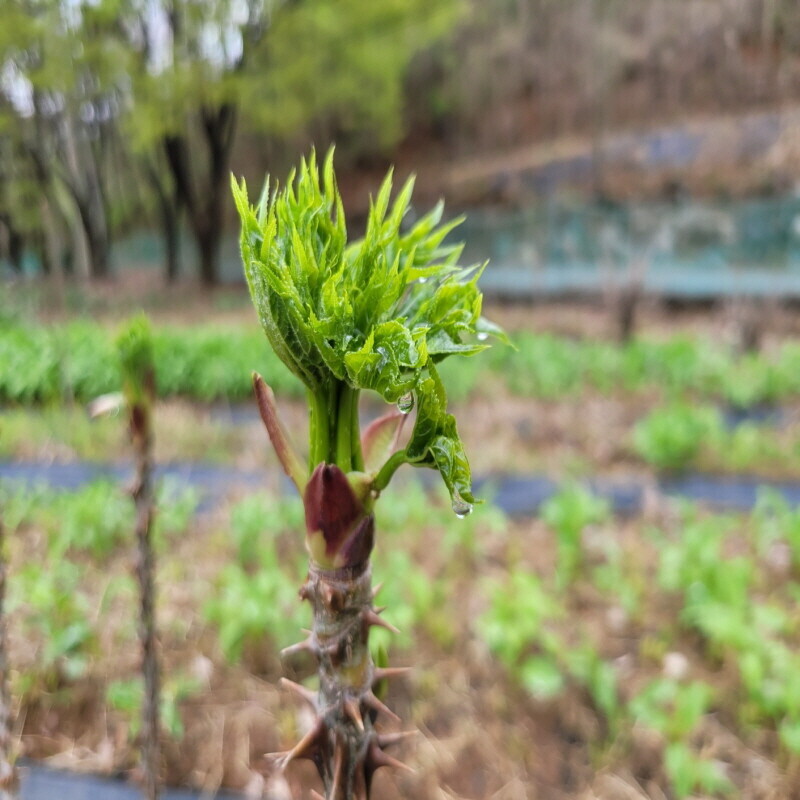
(541, 677)
(371, 314)
(135, 349)
(688, 772)
(789, 732)
(387, 362)
(435, 441)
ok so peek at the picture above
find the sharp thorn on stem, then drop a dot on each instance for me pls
(384, 673)
(377, 705)
(307, 746)
(301, 691)
(305, 646)
(353, 712)
(371, 618)
(338, 768)
(389, 739)
(377, 758)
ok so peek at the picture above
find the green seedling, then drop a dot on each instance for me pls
(568, 513)
(719, 602)
(671, 438)
(376, 314)
(675, 710)
(775, 521)
(257, 594)
(126, 697)
(521, 627)
(55, 613)
(96, 518)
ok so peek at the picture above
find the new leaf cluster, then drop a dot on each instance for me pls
(377, 313)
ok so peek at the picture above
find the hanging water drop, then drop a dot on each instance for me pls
(483, 336)
(423, 280)
(461, 507)
(406, 403)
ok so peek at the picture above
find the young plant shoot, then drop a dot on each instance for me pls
(374, 314)
(135, 350)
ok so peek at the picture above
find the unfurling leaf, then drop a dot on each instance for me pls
(380, 437)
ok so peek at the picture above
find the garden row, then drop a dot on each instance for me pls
(536, 437)
(675, 638)
(77, 361)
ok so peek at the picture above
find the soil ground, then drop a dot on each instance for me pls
(480, 735)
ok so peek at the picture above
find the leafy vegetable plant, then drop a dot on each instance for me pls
(376, 314)
(675, 710)
(671, 437)
(569, 513)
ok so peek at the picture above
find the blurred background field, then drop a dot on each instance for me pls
(618, 619)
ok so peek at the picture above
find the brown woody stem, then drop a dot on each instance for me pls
(339, 599)
(8, 775)
(343, 742)
(142, 439)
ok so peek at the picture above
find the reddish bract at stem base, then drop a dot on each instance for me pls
(339, 531)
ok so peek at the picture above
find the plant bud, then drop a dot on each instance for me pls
(339, 529)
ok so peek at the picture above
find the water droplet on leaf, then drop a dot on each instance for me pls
(483, 336)
(460, 506)
(423, 280)
(406, 403)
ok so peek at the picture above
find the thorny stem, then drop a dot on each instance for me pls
(343, 742)
(8, 774)
(142, 438)
(339, 599)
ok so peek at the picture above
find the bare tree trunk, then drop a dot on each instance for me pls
(142, 436)
(749, 317)
(202, 194)
(51, 251)
(171, 232)
(169, 204)
(8, 774)
(97, 243)
(209, 240)
(82, 179)
(80, 265)
(16, 248)
(629, 296)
